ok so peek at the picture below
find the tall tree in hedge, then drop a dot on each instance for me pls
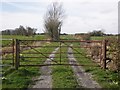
(97, 33)
(53, 20)
(30, 31)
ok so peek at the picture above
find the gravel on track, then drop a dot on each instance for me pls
(45, 79)
(84, 79)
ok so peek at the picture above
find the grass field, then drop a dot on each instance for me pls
(63, 76)
(9, 42)
(102, 37)
(35, 37)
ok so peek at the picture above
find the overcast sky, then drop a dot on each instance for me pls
(81, 15)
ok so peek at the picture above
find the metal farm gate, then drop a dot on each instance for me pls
(36, 52)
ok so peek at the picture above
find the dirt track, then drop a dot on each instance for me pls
(84, 79)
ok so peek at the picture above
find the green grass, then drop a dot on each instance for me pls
(9, 42)
(22, 77)
(36, 37)
(7, 64)
(97, 38)
(63, 76)
(106, 78)
(101, 37)
(67, 37)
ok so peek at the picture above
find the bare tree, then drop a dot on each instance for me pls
(53, 20)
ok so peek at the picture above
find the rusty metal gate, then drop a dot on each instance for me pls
(36, 52)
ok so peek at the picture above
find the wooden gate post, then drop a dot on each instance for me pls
(104, 54)
(17, 54)
(13, 44)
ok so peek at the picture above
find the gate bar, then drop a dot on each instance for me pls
(89, 41)
(61, 64)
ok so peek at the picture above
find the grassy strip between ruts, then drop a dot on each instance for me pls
(63, 76)
(106, 78)
(22, 77)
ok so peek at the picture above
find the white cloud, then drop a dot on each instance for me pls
(91, 16)
(78, 24)
(82, 15)
(60, 0)
(13, 20)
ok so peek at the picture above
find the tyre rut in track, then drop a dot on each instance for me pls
(84, 79)
(45, 79)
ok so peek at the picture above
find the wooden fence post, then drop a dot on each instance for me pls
(104, 54)
(17, 54)
(13, 44)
